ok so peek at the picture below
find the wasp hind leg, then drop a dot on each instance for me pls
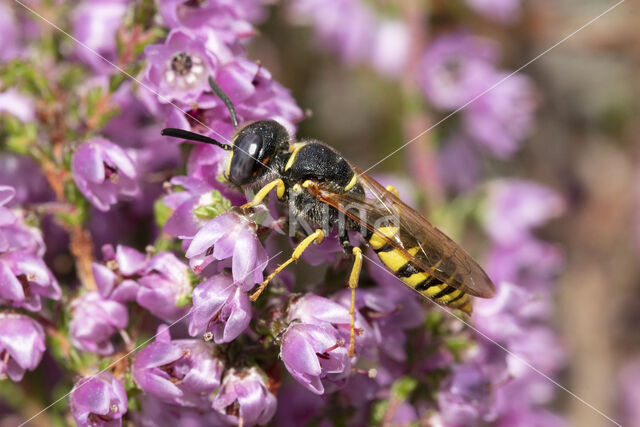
(353, 284)
(317, 236)
(260, 195)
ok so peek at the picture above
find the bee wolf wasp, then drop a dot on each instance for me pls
(329, 192)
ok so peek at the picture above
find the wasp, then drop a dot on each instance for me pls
(328, 192)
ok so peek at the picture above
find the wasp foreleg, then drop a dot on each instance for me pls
(317, 236)
(260, 195)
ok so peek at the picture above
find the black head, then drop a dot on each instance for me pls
(255, 145)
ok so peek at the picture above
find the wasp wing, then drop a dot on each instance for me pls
(427, 248)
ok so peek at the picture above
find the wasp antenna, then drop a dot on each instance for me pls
(192, 136)
(225, 99)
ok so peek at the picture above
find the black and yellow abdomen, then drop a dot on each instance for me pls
(399, 263)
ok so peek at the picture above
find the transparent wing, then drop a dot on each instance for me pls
(396, 224)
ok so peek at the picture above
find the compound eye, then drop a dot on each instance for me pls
(245, 160)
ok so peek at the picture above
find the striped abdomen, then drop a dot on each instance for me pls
(422, 281)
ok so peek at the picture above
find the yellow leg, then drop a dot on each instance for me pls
(353, 284)
(260, 195)
(317, 236)
(393, 190)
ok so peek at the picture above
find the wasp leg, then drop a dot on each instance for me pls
(260, 195)
(317, 236)
(393, 190)
(353, 284)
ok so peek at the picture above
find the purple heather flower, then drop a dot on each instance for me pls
(94, 321)
(391, 47)
(221, 308)
(514, 207)
(346, 27)
(531, 263)
(98, 400)
(156, 412)
(25, 279)
(95, 24)
(509, 313)
(255, 95)
(505, 11)
(539, 346)
(117, 278)
(194, 207)
(301, 406)
(21, 345)
(503, 116)
(178, 70)
(317, 310)
(230, 235)
(163, 285)
(312, 353)
(466, 397)
(245, 399)
(228, 19)
(17, 104)
(14, 234)
(458, 166)
(103, 172)
(386, 314)
(183, 371)
(456, 68)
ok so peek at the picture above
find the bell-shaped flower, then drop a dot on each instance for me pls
(230, 235)
(164, 285)
(25, 279)
(104, 173)
(220, 308)
(21, 345)
(244, 398)
(312, 353)
(94, 321)
(98, 400)
(117, 278)
(183, 372)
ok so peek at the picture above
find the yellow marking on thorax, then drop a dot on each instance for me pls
(433, 290)
(352, 183)
(415, 279)
(295, 148)
(394, 259)
(378, 241)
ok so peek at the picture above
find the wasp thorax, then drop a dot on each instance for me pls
(185, 71)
